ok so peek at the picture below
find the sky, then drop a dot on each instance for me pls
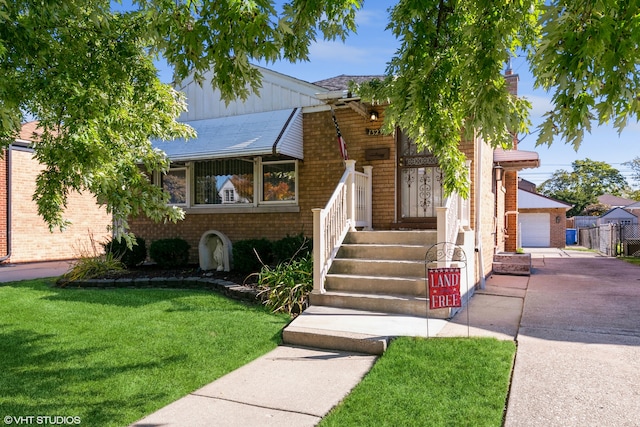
(368, 51)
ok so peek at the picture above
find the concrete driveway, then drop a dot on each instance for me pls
(578, 358)
(33, 270)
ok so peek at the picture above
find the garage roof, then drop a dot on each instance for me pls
(528, 200)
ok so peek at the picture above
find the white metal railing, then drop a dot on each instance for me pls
(349, 207)
(453, 217)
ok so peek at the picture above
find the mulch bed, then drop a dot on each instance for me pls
(152, 271)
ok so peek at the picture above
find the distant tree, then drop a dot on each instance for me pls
(595, 209)
(582, 186)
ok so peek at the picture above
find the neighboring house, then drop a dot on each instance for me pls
(618, 216)
(614, 201)
(24, 236)
(542, 220)
(282, 145)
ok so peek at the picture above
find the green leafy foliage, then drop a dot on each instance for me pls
(588, 59)
(285, 287)
(582, 186)
(445, 82)
(292, 247)
(249, 255)
(169, 253)
(84, 70)
(129, 256)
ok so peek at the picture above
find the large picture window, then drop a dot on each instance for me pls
(228, 181)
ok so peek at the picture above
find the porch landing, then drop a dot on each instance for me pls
(355, 330)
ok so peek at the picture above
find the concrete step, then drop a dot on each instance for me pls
(413, 237)
(386, 268)
(512, 263)
(376, 284)
(511, 268)
(355, 330)
(383, 251)
(385, 303)
(512, 258)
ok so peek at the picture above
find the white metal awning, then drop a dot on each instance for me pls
(247, 135)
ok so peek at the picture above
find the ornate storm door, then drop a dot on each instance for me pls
(419, 185)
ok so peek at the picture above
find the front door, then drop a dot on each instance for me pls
(419, 185)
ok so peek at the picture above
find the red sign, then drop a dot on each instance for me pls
(444, 288)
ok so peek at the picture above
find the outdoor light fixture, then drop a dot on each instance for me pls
(498, 171)
(373, 115)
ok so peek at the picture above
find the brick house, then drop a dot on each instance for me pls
(282, 148)
(24, 236)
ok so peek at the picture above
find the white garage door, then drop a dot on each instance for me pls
(535, 229)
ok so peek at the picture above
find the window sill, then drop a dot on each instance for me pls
(241, 209)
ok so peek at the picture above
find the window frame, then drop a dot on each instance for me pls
(262, 201)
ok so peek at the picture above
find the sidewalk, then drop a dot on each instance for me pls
(293, 386)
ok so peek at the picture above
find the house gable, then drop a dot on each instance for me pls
(528, 200)
(278, 92)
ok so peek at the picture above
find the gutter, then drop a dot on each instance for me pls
(8, 160)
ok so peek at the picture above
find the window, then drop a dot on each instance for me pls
(174, 182)
(279, 181)
(223, 182)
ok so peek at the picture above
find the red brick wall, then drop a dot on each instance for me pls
(510, 182)
(31, 239)
(3, 203)
(318, 175)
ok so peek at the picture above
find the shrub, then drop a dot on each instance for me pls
(130, 257)
(292, 247)
(285, 287)
(169, 253)
(244, 254)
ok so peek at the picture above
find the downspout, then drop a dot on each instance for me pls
(8, 173)
(478, 181)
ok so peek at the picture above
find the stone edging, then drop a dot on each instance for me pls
(229, 289)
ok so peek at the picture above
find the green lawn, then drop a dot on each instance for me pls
(112, 356)
(436, 382)
(631, 259)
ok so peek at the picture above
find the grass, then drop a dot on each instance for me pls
(112, 356)
(631, 259)
(436, 382)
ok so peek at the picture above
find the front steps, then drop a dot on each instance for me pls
(512, 264)
(381, 271)
(378, 276)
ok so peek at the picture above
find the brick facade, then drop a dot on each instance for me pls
(3, 204)
(31, 239)
(510, 181)
(318, 175)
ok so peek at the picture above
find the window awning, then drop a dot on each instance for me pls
(258, 134)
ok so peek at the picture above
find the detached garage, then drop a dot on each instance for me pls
(535, 229)
(542, 220)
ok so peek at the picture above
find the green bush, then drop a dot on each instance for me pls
(129, 257)
(169, 253)
(285, 287)
(244, 255)
(292, 247)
